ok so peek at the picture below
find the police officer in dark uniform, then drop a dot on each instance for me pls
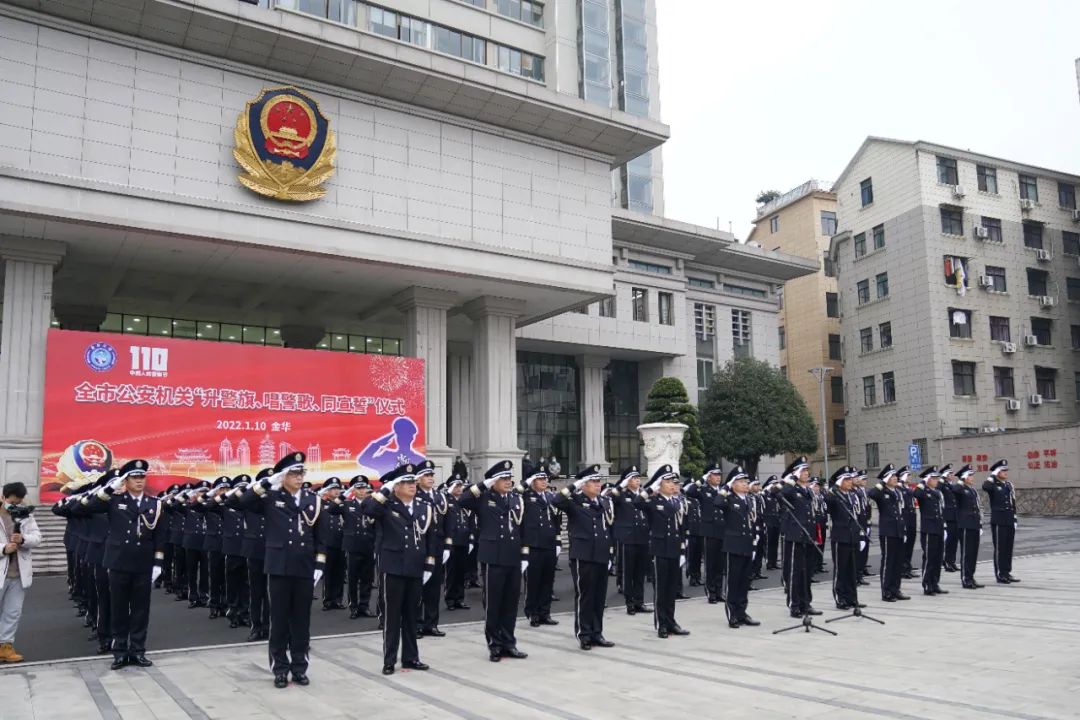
(294, 562)
(254, 551)
(133, 557)
(213, 543)
(866, 510)
(969, 524)
(951, 532)
(909, 515)
(695, 542)
(821, 522)
(847, 537)
(406, 562)
(666, 512)
(540, 533)
(333, 537)
(590, 517)
(499, 512)
(428, 621)
(772, 526)
(704, 492)
(740, 543)
(932, 528)
(358, 541)
(1003, 522)
(175, 527)
(232, 547)
(460, 531)
(198, 573)
(632, 539)
(758, 499)
(800, 548)
(890, 503)
(166, 578)
(97, 535)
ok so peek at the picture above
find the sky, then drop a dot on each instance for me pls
(765, 95)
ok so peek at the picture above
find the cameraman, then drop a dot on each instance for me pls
(19, 535)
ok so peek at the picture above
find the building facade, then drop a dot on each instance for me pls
(802, 222)
(474, 219)
(959, 298)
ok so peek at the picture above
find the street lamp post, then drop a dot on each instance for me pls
(820, 373)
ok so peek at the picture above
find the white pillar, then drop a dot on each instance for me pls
(494, 381)
(593, 449)
(28, 276)
(459, 393)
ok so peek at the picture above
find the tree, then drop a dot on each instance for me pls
(668, 403)
(767, 196)
(751, 410)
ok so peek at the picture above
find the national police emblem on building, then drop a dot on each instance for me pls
(100, 357)
(285, 144)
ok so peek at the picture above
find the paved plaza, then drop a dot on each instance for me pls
(1004, 651)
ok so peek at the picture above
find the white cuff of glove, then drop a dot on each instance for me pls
(116, 484)
(579, 483)
(489, 482)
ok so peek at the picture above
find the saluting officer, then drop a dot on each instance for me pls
(540, 533)
(1003, 522)
(704, 491)
(866, 514)
(166, 523)
(759, 548)
(499, 513)
(951, 532)
(97, 535)
(740, 543)
(232, 545)
(969, 524)
(910, 523)
(198, 573)
(332, 538)
(847, 537)
(800, 547)
(772, 526)
(213, 543)
(460, 531)
(429, 595)
(666, 512)
(589, 520)
(254, 551)
(406, 562)
(133, 557)
(890, 503)
(174, 509)
(359, 543)
(295, 560)
(695, 540)
(932, 528)
(632, 536)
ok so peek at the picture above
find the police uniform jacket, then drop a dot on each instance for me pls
(931, 509)
(540, 525)
(844, 510)
(866, 510)
(211, 512)
(740, 521)
(801, 500)
(194, 526)
(667, 529)
(1002, 501)
(460, 528)
(968, 509)
(357, 529)
(631, 524)
(135, 541)
(332, 527)
(440, 505)
(693, 515)
(232, 527)
(293, 545)
(407, 544)
(498, 520)
(950, 500)
(771, 516)
(589, 524)
(253, 546)
(704, 494)
(96, 527)
(890, 504)
(175, 528)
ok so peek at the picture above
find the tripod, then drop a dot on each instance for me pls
(807, 621)
(856, 611)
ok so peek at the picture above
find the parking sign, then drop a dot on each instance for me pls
(914, 458)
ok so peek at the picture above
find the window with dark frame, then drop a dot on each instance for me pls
(1029, 188)
(837, 387)
(963, 378)
(832, 305)
(882, 285)
(1043, 330)
(993, 229)
(959, 324)
(665, 305)
(885, 334)
(774, 224)
(1003, 382)
(1067, 195)
(952, 221)
(1072, 286)
(860, 245)
(946, 171)
(783, 337)
(869, 391)
(987, 179)
(1037, 281)
(834, 347)
(888, 387)
(827, 264)
(997, 274)
(1046, 382)
(863, 287)
(828, 223)
(866, 190)
(1033, 235)
(741, 334)
(879, 236)
(639, 298)
(872, 458)
(839, 432)
(1070, 243)
(1075, 332)
(607, 307)
(1000, 329)
(866, 340)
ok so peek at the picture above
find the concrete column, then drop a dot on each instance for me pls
(304, 337)
(494, 382)
(459, 395)
(28, 276)
(80, 317)
(593, 448)
(425, 338)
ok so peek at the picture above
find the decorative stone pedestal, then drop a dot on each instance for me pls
(663, 445)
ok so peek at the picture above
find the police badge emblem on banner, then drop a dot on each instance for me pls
(285, 144)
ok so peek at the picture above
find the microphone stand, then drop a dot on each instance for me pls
(807, 620)
(856, 611)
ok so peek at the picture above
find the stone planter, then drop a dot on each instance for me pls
(663, 445)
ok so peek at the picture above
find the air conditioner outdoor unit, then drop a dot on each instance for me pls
(1026, 204)
(834, 451)
(958, 191)
(1008, 347)
(1047, 301)
(1031, 340)
(1042, 255)
(1012, 405)
(981, 232)
(988, 282)
(1035, 399)
(1076, 215)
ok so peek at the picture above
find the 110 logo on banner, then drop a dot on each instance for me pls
(149, 361)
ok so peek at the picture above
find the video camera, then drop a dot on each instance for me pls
(18, 513)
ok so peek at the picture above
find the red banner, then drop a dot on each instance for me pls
(197, 410)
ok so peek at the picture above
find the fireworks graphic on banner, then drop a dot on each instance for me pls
(398, 376)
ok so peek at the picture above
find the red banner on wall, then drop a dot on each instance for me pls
(197, 410)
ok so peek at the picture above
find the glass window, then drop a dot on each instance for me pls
(1033, 235)
(741, 334)
(888, 387)
(449, 41)
(1037, 282)
(872, 460)
(1029, 188)
(639, 303)
(209, 331)
(774, 223)
(253, 335)
(636, 82)
(373, 345)
(987, 179)
(952, 221)
(882, 284)
(594, 15)
(866, 339)
(1073, 287)
(704, 321)
(384, 22)
(954, 266)
(415, 31)
(837, 387)
(834, 347)
(869, 391)
(827, 264)
(607, 307)
(828, 223)
(866, 189)
(885, 334)
(1042, 329)
(993, 229)
(959, 323)
(114, 323)
(946, 171)
(879, 237)
(997, 274)
(999, 329)
(634, 31)
(963, 378)
(740, 290)
(839, 432)
(780, 297)
(649, 267)
(832, 305)
(1046, 382)
(185, 329)
(698, 282)
(391, 346)
(665, 307)
(783, 337)
(1003, 382)
(634, 8)
(860, 245)
(1070, 243)
(638, 191)
(705, 372)
(159, 326)
(339, 343)
(863, 287)
(231, 333)
(1074, 331)
(1067, 195)
(136, 325)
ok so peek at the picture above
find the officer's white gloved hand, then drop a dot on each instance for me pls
(275, 481)
(624, 483)
(862, 545)
(489, 482)
(753, 556)
(609, 565)
(1016, 524)
(470, 548)
(579, 483)
(682, 560)
(445, 556)
(155, 573)
(946, 536)
(558, 550)
(905, 538)
(318, 576)
(980, 532)
(524, 565)
(115, 484)
(427, 576)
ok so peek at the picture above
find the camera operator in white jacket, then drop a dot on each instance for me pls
(16, 564)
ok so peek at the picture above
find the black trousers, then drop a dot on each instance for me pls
(634, 561)
(951, 543)
(863, 560)
(819, 557)
(428, 615)
(892, 559)
(772, 546)
(502, 590)
(179, 576)
(803, 559)
(400, 599)
(334, 577)
(258, 590)
(129, 594)
(290, 623)
(167, 566)
(216, 564)
(969, 554)
(845, 573)
(540, 582)
(715, 564)
(361, 578)
(456, 572)
(236, 585)
(198, 575)
(90, 593)
(71, 565)
(104, 604)
(738, 570)
(590, 595)
(472, 574)
(759, 556)
(785, 565)
(910, 531)
(1004, 535)
(933, 551)
(668, 576)
(76, 579)
(695, 549)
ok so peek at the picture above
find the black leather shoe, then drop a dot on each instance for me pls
(515, 653)
(939, 591)
(254, 636)
(119, 663)
(888, 598)
(861, 605)
(796, 614)
(662, 633)
(733, 624)
(535, 622)
(631, 610)
(139, 660)
(749, 621)
(1004, 580)
(679, 631)
(555, 598)
(643, 608)
(92, 635)
(1012, 579)
(104, 649)
(586, 645)
(548, 621)
(433, 632)
(977, 585)
(234, 622)
(681, 596)
(419, 634)
(81, 612)
(968, 586)
(602, 642)
(713, 600)
(381, 625)
(215, 614)
(353, 614)
(843, 606)
(414, 665)
(364, 612)
(462, 606)
(387, 669)
(862, 582)
(812, 611)
(193, 604)
(495, 656)
(902, 596)
(300, 679)
(281, 681)
(694, 582)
